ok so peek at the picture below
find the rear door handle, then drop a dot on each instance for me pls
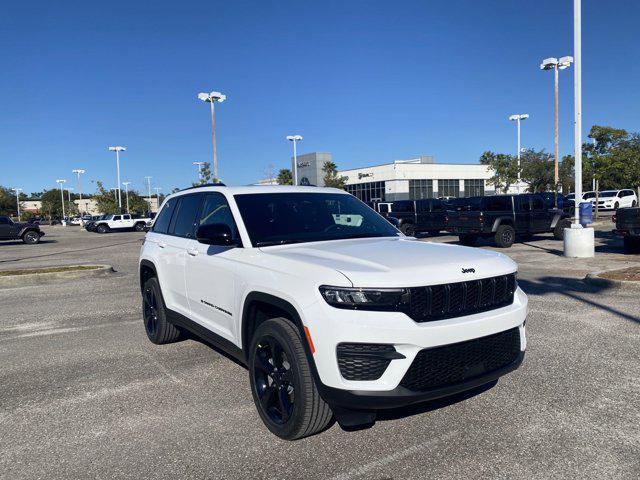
(192, 251)
(162, 244)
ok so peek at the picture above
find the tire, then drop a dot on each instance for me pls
(31, 237)
(633, 204)
(408, 229)
(275, 344)
(154, 315)
(102, 228)
(632, 244)
(558, 231)
(139, 227)
(505, 236)
(616, 205)
(468, 240)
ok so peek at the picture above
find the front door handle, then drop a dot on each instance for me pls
(192, 251)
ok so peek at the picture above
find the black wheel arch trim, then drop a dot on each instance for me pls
(148, 264)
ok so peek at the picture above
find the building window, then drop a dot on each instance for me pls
(448, 188)
(419, 189)
(474, 188)
(367, 192)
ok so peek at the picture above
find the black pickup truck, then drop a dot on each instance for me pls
(418, 216)
(29, 233)
(627, 222)
(503, 217)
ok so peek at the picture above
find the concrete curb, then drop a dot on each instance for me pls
(597, 281)
(31, 279)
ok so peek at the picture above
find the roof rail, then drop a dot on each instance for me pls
(217, 184)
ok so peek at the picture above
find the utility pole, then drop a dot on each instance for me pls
(61, 182)
(78, 172)
(126, 189)
(295, 139)
(212, 98)
(18, 190)
(118, 150)
(518, 118)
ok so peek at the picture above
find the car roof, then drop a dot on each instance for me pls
(258, 189)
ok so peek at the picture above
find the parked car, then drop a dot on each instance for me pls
(627, 222)
(614, 199)
(119, 223)
(29, 233)
(503, 217)
(419, 216)
(75, 221)
(589, 196)
(333, 310)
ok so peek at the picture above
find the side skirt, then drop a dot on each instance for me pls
(214, 339)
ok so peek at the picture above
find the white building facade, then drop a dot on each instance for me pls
(418, 178)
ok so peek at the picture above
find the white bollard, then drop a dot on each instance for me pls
(579, 242)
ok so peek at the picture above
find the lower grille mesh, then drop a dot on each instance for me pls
(363, 361)
(459, 362)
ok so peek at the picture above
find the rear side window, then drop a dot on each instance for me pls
(161, 225)
(497, 203)
(117, 217)
(184, 220)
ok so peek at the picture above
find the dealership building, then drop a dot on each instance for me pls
(411, 179)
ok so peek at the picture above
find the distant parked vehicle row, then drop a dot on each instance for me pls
(607, 199)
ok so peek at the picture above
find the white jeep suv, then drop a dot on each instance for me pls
(334, 312)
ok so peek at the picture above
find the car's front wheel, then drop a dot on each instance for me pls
(31, 238)
(282, 385)
(102, 229)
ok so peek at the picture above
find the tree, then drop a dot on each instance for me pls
(614, 159)
(105, 200)
(52, 204)
(505, 169)
(285, 177)
(331, 177)
(205, 175)
(7, 202)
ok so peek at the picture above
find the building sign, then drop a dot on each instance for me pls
(304, 164)
(364, 175)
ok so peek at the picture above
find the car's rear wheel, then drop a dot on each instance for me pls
(102, 229)
(505, 236)
(154, 314)
(31, 238)
(558, 231)
(282, 385)
(468, 240)
(139, 227)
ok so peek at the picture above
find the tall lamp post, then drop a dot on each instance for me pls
(69, 194)
(518, 118)
(61, 182)
(126, 191)
(118, 149)
(148, 179)
(555, 65)
(295, 139)
(18, 190)
(157, 189)
(199, 165)
(78, 172)
(212, 98)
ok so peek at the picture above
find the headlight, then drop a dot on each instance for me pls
(366, 298)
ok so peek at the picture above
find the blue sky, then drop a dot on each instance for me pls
(368, 81)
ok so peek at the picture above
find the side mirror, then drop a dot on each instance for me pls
(215, 234)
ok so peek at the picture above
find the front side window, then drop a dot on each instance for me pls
(184, 220)
(281, 218)
(215, 209)
(161, 225)
(117, 217)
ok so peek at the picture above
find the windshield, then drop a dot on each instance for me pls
(611, 193)
(281, 218)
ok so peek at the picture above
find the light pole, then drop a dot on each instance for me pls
(118, 150)
(115, 193)
(69, 193)
(555, 65)
(212, 98)
(78, 172)
(295, 139)
(18, 190)
(199, 165)
(126, 191)
(148, 179)
(61, 182)
(157, 189)
(518, 119)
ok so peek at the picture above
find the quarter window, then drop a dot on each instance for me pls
(161, 225)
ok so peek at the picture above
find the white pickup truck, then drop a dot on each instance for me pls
(120, 222)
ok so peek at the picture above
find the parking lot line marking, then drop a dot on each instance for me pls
(419, 448)
(56, 331)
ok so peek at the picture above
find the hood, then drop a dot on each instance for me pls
(398, 261)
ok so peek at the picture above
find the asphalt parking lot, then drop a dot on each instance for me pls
(83, 393)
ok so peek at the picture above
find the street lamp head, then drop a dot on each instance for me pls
(199, 163)
(522, 116)
(61, 181)
(212, 97)
(117, 149)
(126, 183)
(549, 63)
(291, 138)
(565, 62)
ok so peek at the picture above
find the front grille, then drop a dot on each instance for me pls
(364, 361)
(437, 302)
(459, 362)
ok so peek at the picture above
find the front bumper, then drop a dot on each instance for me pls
(329, 327)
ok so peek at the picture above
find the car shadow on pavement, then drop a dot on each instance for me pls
(20, 242)
(575, 289)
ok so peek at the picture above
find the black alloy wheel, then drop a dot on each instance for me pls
(273, 380)
(150, 310)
